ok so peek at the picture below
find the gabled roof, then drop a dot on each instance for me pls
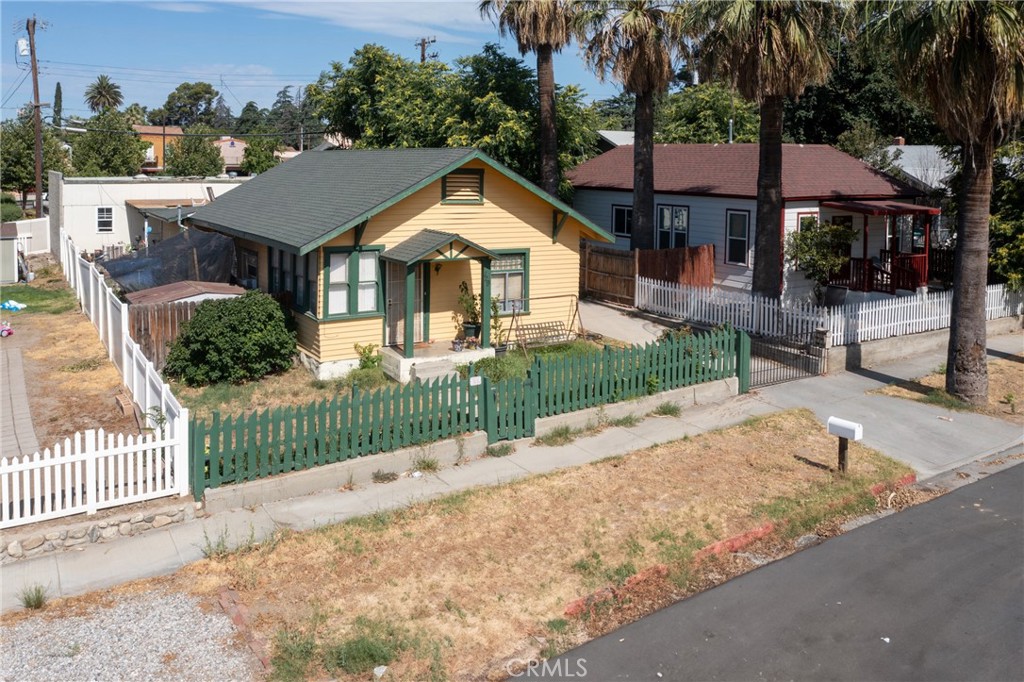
(299, 205)
(427, 242)
(814, 171)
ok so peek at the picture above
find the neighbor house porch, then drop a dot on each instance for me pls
(897, 260)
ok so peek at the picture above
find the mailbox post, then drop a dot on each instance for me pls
(847, 431)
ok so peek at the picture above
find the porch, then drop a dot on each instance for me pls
(900, 260)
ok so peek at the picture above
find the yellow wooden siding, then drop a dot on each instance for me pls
(338, 337)
(308, 334)
(509, 218)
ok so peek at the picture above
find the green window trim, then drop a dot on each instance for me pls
(497, 271)
(465, 172)
(352, 284)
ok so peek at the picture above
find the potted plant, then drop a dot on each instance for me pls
(457, 341)
(470, 303)
(500, 346)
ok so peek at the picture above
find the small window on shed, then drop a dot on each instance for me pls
(464, 186)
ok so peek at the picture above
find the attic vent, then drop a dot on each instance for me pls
(464, 186)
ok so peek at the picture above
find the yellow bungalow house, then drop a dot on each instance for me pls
(370, 246)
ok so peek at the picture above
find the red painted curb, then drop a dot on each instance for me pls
(738, 542)
(239, 615)
(909, 479)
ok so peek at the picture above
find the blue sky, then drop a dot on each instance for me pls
(247, 49)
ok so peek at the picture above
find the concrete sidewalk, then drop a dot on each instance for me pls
(917, 434)
(16, 430)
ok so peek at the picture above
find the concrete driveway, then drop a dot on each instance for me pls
(618, 322)
(16, 431)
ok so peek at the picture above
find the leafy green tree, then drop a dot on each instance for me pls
(250, 118)
(614, 113)
(820, 250)
(190, 104)
(103, 94)
(771, 50)
(635, 40)
(701, 113)
(58, 106)
(543, 27)
(194, 154)
(259, 154)
(868, 145)
(135, 113)
(109, 148)
(577, 134)
(232, 340)
(1006, 229)
(966, 61)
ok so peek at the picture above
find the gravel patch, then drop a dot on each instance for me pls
(154, 636)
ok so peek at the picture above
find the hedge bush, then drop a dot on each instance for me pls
(232, 340)
(9, 209)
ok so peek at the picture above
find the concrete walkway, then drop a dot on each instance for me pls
(920, 435)
(618, 322)
(18, 435)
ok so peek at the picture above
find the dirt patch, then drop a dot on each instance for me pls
(1005, 390)
(69, 380)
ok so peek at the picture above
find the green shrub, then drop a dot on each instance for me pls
(232, 340)
(9, 209)
(368, 356)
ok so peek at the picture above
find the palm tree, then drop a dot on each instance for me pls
(102, 95)
(965, 60)
(544, 27)
(768, 50)
(636, 41)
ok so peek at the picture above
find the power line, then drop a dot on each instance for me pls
(176, 72)
(79, 129)
(14, 90)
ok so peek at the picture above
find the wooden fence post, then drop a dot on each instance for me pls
(490, 410)
(743, 360)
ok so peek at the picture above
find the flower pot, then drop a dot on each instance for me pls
(457, 345)
(469, 329)
(500, 349)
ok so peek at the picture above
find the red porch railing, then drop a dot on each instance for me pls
(906, 271)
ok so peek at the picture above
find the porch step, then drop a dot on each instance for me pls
(429, 370)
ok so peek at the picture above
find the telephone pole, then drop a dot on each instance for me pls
(30, 26)
(422, 44)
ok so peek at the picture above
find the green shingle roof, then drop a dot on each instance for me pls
(302, 203)
(426, 242)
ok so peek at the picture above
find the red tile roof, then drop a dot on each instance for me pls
(812, 171)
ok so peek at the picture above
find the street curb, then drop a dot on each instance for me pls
(736, 542)
(239, 615)
(909, 479)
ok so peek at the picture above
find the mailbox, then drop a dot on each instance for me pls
(845, 429)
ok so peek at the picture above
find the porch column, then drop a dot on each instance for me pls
(485, 302)
(409, 326)
(867, 271)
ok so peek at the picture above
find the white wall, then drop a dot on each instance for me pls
(80, 197)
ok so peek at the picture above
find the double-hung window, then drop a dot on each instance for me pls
(622, 221)
(352, 283)
(104, 218)
(509, 281)
(737, 237)
(673, 225)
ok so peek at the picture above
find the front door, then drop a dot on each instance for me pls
(396, 304)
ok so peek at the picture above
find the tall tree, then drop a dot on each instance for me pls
(250, 118)
(635, 40)
(701, 113)
(58, 106)
(221, 118)
(136, 113)
(195, 154)
(109, 148)
(190, 104)
(543, 27)
(965, 59)
(769, 50)
(17, 149)
(615, 113)
(103, 94)
(259, 153)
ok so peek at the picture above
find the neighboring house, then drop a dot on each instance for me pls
(102, 212)
(158, 138)
(610, 139)
(232, 151)
(707, 194)
(923, 166)
(370, 246)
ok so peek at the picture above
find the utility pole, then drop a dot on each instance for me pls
(422, 44)
(30, 26)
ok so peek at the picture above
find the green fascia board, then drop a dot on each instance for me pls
(424, 242)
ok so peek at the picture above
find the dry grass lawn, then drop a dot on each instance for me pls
(456, 587)
(1005, 390)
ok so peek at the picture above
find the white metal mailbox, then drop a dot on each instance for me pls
(845, 429)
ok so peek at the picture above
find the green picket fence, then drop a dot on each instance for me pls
(261, 444)
(235, 449)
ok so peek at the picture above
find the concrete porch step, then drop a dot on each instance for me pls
(428, 370)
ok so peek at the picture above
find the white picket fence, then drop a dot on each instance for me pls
(91, 471)
(847, 324)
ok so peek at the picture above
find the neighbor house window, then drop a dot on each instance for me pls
(104, 218)
(352, 283)
(464, 186)
(509, 277)
(737, 237)
(673, 224)
(622, 221)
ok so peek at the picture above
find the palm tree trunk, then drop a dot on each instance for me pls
(966, 367)
(643, 172)
(767, 279)
(548, 129)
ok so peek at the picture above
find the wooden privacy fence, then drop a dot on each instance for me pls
(610, 274)
(235, 449)
(156, 325)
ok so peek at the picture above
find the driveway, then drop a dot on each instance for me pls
(618, 322)
(18, 435)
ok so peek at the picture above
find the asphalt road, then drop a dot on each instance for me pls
(935, 592)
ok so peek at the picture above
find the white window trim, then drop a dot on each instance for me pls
(622, 207)
(728, 238)
(671, 229)
(99, 228)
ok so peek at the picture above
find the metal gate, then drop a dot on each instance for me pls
(775, 361)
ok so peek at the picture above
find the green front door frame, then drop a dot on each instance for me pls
(485, 302)
(409, 328)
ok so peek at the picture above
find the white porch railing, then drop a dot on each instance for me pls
(847, 324)
(95, 470)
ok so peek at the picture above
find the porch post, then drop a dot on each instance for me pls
(409, 326)
(485, 303)
(866, 270)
